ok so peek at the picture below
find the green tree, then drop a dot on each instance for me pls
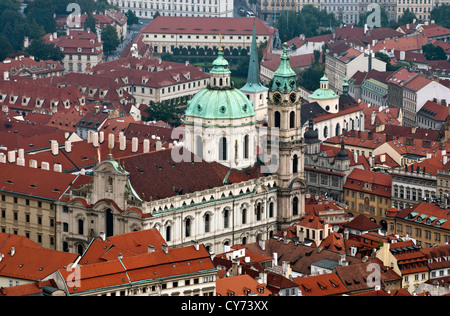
(131, 18)
(168, 112)
(310, 77)
(441, 14)
(41, 12)
(308, 21)
(432, 52)
(110, 39)
(5, 47)
(156, 14)
(407, 17)
(43, 51)
(90, 23)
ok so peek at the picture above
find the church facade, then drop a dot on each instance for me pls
(229, 188)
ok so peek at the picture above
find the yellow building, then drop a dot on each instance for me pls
(30, 202)
(427, 223)
(406, 259)
(368, 193)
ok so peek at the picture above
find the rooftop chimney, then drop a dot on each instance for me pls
(134, 144)
(196, 245)
(21, 162)
(68, 146)
(111, 141)
(33, 163)
(101, 137)
(102, 235)
(55, 149)
(45, 165)
(12, 156)
(57, 167)
(123, 142)
(2, 158)
(146, 146)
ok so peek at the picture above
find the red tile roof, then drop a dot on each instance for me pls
(30, 262)
(207, 25)
(156, 265)
(379, 183)
(38, 183)
(321, 285)
(362, 223)
(157, 176)
(129, 244)
(240, 285)
(417, 83)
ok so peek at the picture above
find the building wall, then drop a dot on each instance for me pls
(371, 205)
(147, 9)
(165, 43)
(29, 216)
(421, 8)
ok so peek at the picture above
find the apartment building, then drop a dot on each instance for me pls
(368, 193)
(165, 34)
(31, 200)
(82, 49)
(146, 9)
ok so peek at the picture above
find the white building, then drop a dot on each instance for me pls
(147, 8)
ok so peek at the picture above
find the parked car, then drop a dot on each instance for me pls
(242, 12)
(250, 14)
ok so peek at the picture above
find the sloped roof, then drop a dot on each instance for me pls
(157, 176)
(239, 285)
(207, 25)
(362, 223)
(29, 261)
(154, 265)
(321, 285)
(380, 182)
(129, 244)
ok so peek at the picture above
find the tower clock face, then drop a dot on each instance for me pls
(293, 97)
(277, 98)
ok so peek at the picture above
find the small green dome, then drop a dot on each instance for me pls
(220, 100)
(220, 104)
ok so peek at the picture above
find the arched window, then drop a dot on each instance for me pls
(246, 146)
(292, 119)
(80, 249)
(223, 148)
(295, 164)
(338, 129)
(220, 82)
(271, 209)
(198, 146)
(168, 233)
(80, 227)
(187, 223)
(226, 218)
(295, 206)
(258, 211)
(244, 216)
(207, 223)
(277, 119)
(325, 132)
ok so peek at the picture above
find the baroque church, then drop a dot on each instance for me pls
(228, 183)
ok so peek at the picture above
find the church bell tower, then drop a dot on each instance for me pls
(284, 115)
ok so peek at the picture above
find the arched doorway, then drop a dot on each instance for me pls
(109, 223)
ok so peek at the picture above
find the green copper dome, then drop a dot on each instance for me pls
(284, 77)
(323, 93)
(220, 104)
(220, 100)
(220, 64)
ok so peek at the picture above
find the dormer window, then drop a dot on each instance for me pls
(79, 49)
